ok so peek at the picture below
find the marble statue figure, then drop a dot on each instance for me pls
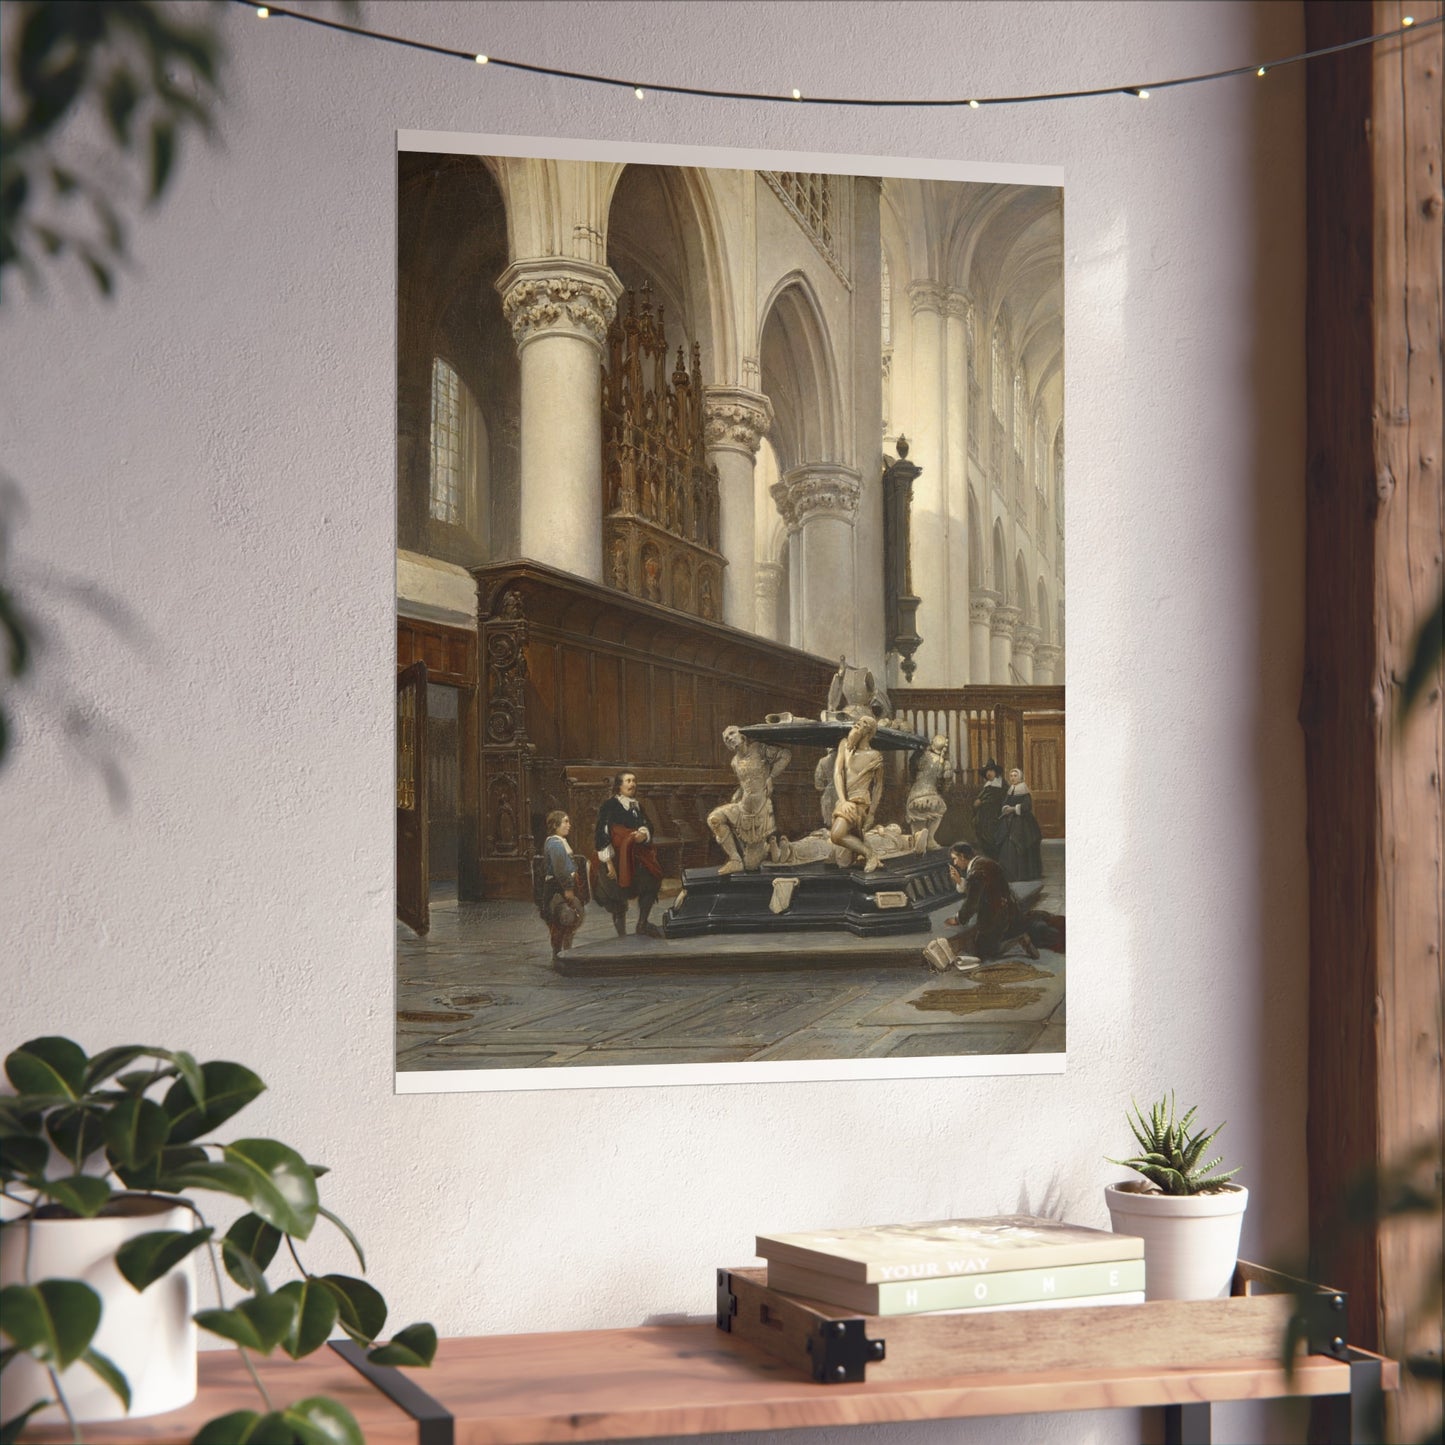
(745, 826)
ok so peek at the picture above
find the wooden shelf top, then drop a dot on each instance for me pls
(689, 1379)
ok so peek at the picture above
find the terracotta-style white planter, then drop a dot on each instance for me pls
(1191, 1241)
(149, 1336)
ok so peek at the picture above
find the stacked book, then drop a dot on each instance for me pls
(1012, 1261)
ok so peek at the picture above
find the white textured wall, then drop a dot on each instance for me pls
(215, 450)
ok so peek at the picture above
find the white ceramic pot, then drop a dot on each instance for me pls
(1191, 1241)
(149, 1336)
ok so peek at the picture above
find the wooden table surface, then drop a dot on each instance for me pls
(685, 1380)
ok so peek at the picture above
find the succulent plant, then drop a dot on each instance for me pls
(1170, 1152)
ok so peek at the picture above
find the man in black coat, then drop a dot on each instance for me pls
(626, 865)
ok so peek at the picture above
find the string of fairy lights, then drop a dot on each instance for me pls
(641, 89)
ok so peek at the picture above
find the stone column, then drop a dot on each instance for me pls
(960, 640)
(819, 502)
(980, 614)
(1046, 663)
(735, 422)
(927, 436)
(559, 311)
(1001, 634)
(767, 586)
(1026, 639)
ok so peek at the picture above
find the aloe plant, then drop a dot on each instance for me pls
(1171, 1153)
(81, 1131)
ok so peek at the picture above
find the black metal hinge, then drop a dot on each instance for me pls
(841, 1352)
(727, 1301)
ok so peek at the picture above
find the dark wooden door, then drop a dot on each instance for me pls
(411, 788)
(1044, 772)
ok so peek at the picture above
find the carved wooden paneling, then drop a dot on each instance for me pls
(581, 677)
(450, 653)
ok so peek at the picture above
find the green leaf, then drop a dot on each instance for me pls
(77, 1131)
(248, 1248)
(149, 1257)
(48, 1065)
(136, 1130)
(156, 1174)
(163, 156)
(259, 1323)
(226, 1089)
(245, 1427)
(20, 1158)
(282, 1187)
(83, 1194)
(362, 1310)
(11, 1430)
(106, 1368)
(319, 1421)
(111, 1061)
(1424, 658)
(316, 1311)
(351, 1239)
(415, 1345)
(54, 1320)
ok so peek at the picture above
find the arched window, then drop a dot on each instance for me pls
(458, 451)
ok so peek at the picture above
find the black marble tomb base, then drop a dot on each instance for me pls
(826, 897)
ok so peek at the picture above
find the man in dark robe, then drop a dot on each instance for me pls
(989, 914)
(987, 808)
(626, 865)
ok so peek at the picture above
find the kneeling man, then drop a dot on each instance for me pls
(627, 865)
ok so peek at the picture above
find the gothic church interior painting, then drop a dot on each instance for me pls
(730, 620)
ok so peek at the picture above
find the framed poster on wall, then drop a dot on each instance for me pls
(730, 616)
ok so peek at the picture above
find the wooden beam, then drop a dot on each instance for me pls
(1373, 570)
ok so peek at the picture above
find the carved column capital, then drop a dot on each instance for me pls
(1005, 619)
(552, 296)
(1026, 639)
(927, 296)
(822, 489)
(981, 604)
(1046, 656)
(957, 304)
(735, 419)
(769, 582)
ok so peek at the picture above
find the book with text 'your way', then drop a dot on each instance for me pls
(962, 1292)
(943, 1247)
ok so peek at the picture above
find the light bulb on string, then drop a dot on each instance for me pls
(262, 12)
(482, 59)
(1142, 94)
(1407, 21)
(973, 105)
(797, 95)
(1262, 72)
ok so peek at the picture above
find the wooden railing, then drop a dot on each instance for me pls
(979, 722)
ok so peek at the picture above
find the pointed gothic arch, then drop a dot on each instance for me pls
(800, 375)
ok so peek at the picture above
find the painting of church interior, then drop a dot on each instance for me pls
(730, 617)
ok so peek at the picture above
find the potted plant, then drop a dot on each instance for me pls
(102, 1230)
(1186, 1211)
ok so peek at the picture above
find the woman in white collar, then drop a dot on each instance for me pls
(1019, 853)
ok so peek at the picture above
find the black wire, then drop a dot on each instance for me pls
(769, 97)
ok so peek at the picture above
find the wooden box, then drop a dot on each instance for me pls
(836, 1345)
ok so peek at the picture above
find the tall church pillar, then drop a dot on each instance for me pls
(1001, 637)
(819, 502)
(927, 439)
(1046, 663)
(559, 311)
(767, 588)
(960, 640)
(735, 421)
(1026, 639)
(980, 615)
